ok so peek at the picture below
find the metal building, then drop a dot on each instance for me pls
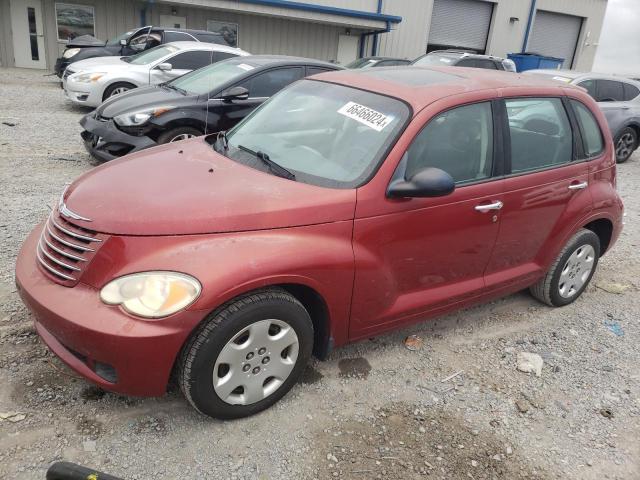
(33, 33)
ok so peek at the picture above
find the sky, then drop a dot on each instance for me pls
(619, 45)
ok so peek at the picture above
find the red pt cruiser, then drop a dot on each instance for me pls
(348, 205)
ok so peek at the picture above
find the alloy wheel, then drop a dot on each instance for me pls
(119, 90)
(576, 271)
(255, 362)
(624, 146)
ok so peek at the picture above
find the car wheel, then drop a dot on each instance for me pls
(177, 134)
(571, 272)
(247, 355)
(626, 143)
(117, 89)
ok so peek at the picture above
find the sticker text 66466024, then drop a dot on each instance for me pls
(365, 115)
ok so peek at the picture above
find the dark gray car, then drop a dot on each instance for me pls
(619, 100)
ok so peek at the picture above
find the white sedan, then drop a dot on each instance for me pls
(89, 82)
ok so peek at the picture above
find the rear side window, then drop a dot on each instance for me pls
(177, 37)
(219, 56)
(190, 60)
(590, 85)
(541, 135)
(630, 91)
(458, 141)
(268, 83)
(593, 143)
(315, 70)
(610, 91)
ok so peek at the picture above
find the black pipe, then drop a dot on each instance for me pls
(71, 471)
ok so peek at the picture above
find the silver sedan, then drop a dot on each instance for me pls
(89, 82)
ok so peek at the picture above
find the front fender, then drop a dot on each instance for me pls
(228, 264)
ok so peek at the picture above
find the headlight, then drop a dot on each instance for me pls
(134, 119)
(88, 77)
(152, 294)
(70, 52)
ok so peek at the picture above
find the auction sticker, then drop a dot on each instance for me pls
(366, 116)
(245, 67)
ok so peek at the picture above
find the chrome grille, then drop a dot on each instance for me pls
(65, 249)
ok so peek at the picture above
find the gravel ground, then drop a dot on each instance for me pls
(372, 410)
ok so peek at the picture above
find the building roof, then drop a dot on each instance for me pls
(420, 86)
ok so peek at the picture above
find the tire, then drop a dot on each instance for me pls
(625, 144)
(116, 89)
(571, 272)
(216, 351)
(177, 134)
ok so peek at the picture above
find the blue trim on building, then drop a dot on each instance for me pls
(311, 7)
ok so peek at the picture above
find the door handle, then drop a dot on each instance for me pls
(578, 186)
(490, 206)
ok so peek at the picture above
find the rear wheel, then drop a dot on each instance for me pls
(571, 272)
(177, 134)
(626, 143)
(247, 355)
(117, 89)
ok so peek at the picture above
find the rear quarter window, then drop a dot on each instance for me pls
(591, 134)
(630, 91)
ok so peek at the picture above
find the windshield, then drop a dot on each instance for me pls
(124, 36)
(151, 55)
(325, 134)
(435, 59)
(208, 78)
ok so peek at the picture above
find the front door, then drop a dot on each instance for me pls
(431, 253)
(28, 36)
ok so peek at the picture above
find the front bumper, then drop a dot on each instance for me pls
(104, 141)
(80, 93)
(106, 346)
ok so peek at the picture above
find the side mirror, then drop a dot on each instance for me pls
(235, 93)
(430, 182)
(123, 42)
(165, 67)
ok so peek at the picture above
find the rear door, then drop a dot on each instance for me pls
(545, 189)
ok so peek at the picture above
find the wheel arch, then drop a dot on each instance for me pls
(603, 228)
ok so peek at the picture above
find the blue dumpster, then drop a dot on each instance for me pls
(531, 61)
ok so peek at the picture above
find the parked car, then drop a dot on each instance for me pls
(619, 99)
(207, 100)
(349, 204)
(90, 82)
(129, 43)
(369, 62)
(461, 58)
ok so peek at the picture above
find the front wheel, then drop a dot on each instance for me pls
(626, 143)
(247, 355)
(177, 134)
(571, 272)
(117, 89)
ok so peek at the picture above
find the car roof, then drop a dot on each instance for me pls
(419, 86)
(156, 28)
(275, 60)
(203, 46)
(574, 75)
(453, 53)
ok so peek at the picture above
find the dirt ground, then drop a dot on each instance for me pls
(456, 408)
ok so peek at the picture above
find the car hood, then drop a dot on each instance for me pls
(85, 41)
(97, 64)
(140, 99)
(187, 188)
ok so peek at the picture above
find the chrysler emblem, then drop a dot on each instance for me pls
(62, 208)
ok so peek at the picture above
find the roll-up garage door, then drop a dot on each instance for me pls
(555, 35)
(460, 24)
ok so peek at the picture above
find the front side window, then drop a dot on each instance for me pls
(610, 91)
(458, 141)
(325, 134)
(268, 83)
(190, 60)
(152, 55)
(593, 143)
(541, 134)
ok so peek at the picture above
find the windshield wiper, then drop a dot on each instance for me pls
(274, 167)
(173, 87)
